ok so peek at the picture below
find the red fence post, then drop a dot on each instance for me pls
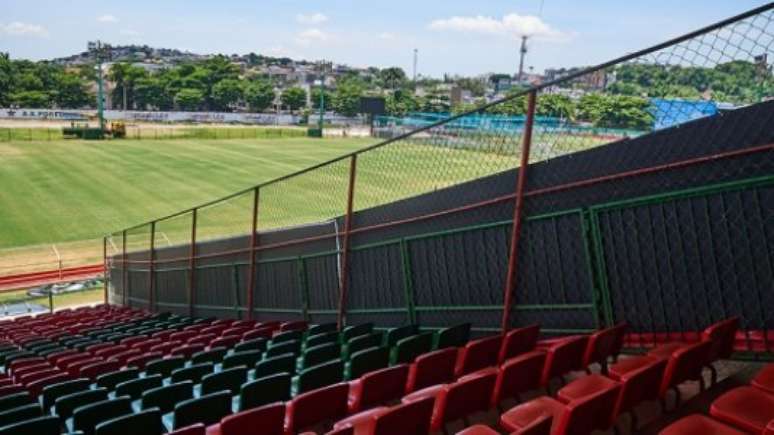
(124, 270)
(344, 279)
(151, 264)
(192, 264)
(253, 246)
(513, 255)
(105, 272)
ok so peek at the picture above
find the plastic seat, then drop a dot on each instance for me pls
(377, 387)
(685, 364)
(317, 406)
(518, 341)
(91, 371)
(227, 380)
(187, 350)
(11, 389)
(111, 379)
(136, 387)
(145, 422)
(270, 419)
(478, 354)
(52, 392)
(362, 423)
(165, 348)
(29, 378)
(394, 335)
(246, 358)
(323, 338)
(278, 364)
(193, 373)
(15, 400)
(519, 375)
(166, 397)
(406, 419)
(87, 417)
(110, 351)
(320, 375)
(747, 408)
(478, 429)
(141, 360)
(207, 409)
(563, 357)
(258, 344)
(262, 333)
(764, 379)
(47, 425)
(407, 349)
(367, 360)
(453, 336)
(164, 366)
(363, 342)
(432, 368)
(600, 347)
(322, 328)
(697, 424)
(285, 336)
(65, 405)
(470, 394)
(225, 342)
(350, 332)
(319, 354)
(299, 325)
(124, 356)
(265, 390)
(578, 417)
(194, 429)
(292, 346)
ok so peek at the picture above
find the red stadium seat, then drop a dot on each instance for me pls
(470, 394)
(269, 420)
(257, 333)
(227, 342)
(165, 348)
(110, 351)
(91, 371)
(363, 422)
(747, 408)
(764, 380)
(294, 326)
(316, 406)
(432, 368)
(187, 350)
(406, 419)
(145, 345)
(563, 357)
(123, 357)
(141, 360)
(685, 364)
(30, 377)
(698, 424)
(478, 354)
(518, 375)
(478, 429)
(601, 346)
(195, 429)
(518, 341)
(201, 339)
(377, 387)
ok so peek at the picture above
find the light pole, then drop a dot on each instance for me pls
(101, 52)
(322, 67)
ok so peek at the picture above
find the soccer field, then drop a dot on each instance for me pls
(72, 191)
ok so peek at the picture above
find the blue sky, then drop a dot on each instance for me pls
(452, 36)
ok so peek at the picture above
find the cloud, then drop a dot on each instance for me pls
(309, 36)
(18, 28)
(315, 18)
(387, 36)
(129, 32)
(107, 18)
(511, 25)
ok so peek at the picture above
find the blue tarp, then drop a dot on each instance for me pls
(667, 113)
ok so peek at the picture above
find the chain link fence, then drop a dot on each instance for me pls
(142, 132)
(641, 190)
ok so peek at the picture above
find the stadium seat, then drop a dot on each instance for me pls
(229, 380)
(322, 328)
(165, 398)
(601, 346)
(15, 400)
(206, 409)
(285, 336)
(432, 368)
(136, 387)
(367, 360)
(315, 407)
(747, 408)
(245, 358)
(20, 413)
(350, 332)
(141, 360)
(563, 357)
(453, 336)
(193, 373)
(291, 346)
(578, 417)
(478, 429)
(65, 405)
(279, 364)
(52, 392)
(363, 342)
(319, 376)
(46, 425)
(518, 375)
(165, 366)
(224, 342)
(186, 351)
(318, 339)
(111, 379)
(478, 354)
(406, 419)
(685, 364)
(87, 417)
(145, 422)
(697, 424)
(35, 387)
(764, 379)
(299, 325)
(518, 341)
(194, 429)
(213, 355)
(92, 371)
(407, 349)
(319, 354)
(395, 335)
(377, 387)
(270, 419)
(258, 344)
(265, 390)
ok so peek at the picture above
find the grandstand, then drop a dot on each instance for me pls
(531, 277)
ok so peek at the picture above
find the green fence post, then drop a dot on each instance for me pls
(235, 287)
(304, 287)
(598, 299)
(408, 283)
(599, 257)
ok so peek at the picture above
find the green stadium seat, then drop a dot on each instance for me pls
(136, 387)
(15, 400)
(86, 418)
(165, 398)
(246, 358)
(292, 346)
(318, 376)
(227, 380)
(353, 331)
(265, 390)
(20, 413)
(287, 336)
(319, 354)
(165, 366)
(65, 405)
(254, 344)
(367, 360)
(145, 422)
(395, 335)
(207, 409)
(110, 380)
(324, 338)
(373, 339)
(411, 347)
(322, 329)
(453, 336)
(47, 425)
(278, 364)
(214, 355)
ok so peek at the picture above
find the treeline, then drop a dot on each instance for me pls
(24, 83)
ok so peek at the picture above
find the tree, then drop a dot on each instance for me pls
(70, 92)
(315, 99)
(615, 111)
(393, 77)
(400, 103)
(31, 99)
(150, 92)
(125, 76)
(559, 106)
(346, 100)
(189, 99)
(226, 94)
(259, 95)
(293, 98)
(6, 79)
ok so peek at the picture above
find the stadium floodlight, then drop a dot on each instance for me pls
(101, 52)
(322, 68)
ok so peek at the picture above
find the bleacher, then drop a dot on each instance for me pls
(112, 370)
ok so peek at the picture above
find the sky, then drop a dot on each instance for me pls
(467, 37)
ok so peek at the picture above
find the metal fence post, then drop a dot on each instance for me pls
(344, 279)
(151, 264)
(105, 272)
(513, 255)
(253, 253)
(124, 270)
(192, 264)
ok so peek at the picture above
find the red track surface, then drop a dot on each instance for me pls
(12, 282)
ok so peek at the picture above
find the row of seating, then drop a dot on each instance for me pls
(742, 410)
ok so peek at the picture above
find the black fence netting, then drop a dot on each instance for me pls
(641, 188)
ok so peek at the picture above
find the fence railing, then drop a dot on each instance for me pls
(138, 132)
(503, 224)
